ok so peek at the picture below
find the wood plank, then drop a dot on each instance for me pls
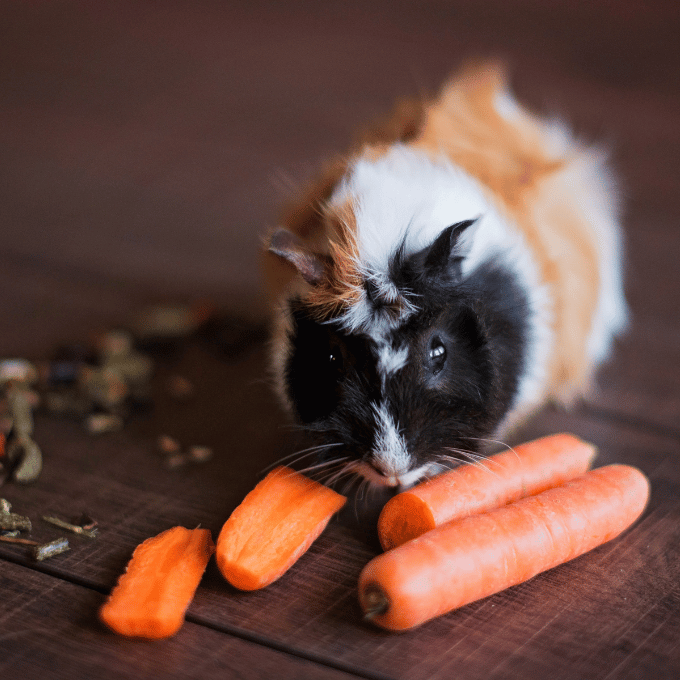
(49, 628)
(612, 609)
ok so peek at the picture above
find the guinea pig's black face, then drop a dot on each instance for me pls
(429, 374)
(398, 404)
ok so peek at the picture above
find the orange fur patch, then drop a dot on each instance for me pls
(510, 159)
(333, 232)
(343, 282)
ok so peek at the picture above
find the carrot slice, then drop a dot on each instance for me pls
(152, 596)
(273, 527)
(474, 557)
(469, 489)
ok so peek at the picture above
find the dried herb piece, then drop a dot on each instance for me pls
(12, 522)
(15, 539)
(76, 529)
(30, 463)
(20, 410)
(45, 550)
(85, 522)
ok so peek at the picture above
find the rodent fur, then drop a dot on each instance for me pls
(459, 268)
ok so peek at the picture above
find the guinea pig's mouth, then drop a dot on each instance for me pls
(403, 480)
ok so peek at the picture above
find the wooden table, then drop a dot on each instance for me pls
(144, 148)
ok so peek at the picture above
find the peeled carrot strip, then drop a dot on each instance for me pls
(152, 596)
(469, 489)
(477, 556)
(273, 527)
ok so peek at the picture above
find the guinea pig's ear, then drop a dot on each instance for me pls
(288, 246)
(448, 250)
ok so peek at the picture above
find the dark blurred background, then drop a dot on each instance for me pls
(145, 146)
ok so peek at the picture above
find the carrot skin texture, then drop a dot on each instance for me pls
(505, 477)
(152, 596)
(468, 559)
(273, 527)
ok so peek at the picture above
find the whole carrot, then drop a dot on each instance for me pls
(477, 556)
(152, 596)
(273, 527)
(470, 489)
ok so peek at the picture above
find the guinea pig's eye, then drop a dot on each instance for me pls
(436, 355)
(335, 360)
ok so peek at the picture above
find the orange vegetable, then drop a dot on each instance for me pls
(474, 557)
(469, 489)
(274, 526)
(152, 596)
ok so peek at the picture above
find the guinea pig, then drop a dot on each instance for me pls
(459, 268)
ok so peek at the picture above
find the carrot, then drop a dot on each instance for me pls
(474, 557)
(152, 596)
(273, 527)
(469, 489)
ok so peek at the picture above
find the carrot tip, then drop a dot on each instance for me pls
(375, 603)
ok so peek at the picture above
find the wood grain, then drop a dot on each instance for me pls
(610, 600)
(49, 628)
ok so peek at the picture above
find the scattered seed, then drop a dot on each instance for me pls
(200, 454)
(101, 423)
(179, 387)
(176, 460)
(167, 445)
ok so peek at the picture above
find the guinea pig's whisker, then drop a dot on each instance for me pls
(366, 492)
(347, 470)
(297, 456)
(494, 441)
(318, 468)
(359, 496)
(335, 474)
(470, 457)
(475, 455)
(347, 486)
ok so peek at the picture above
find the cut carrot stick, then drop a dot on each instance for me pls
(474, 557)
(273, 527)
(470, 489)
(152, 596)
